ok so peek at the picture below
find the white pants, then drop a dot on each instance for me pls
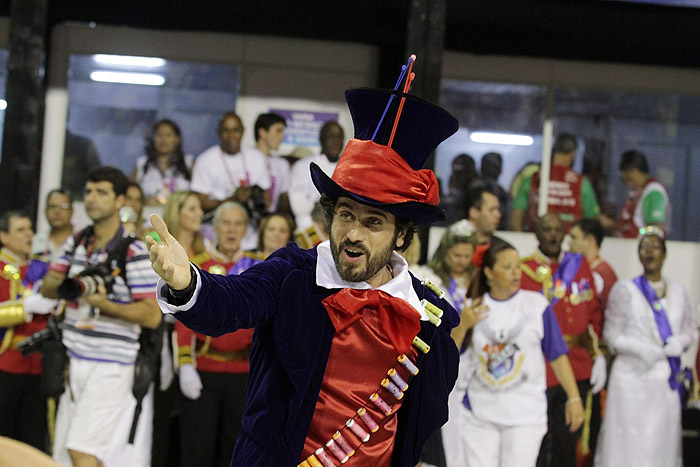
(490, 445)
(90, 409)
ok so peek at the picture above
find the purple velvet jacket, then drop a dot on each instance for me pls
(293, 334)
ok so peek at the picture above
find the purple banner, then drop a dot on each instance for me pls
(303, 126)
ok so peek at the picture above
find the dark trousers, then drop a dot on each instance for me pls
(210, 425)
(23, 410)
(559, 444)
(166, 430)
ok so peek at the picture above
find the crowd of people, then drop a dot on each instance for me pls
(570, 194)
(81, 324)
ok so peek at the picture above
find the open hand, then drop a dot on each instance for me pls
(473, 313)
(168, 259)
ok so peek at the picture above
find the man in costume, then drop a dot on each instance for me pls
(647, 202)
(213, 372)
(570, 195)
(22, 313)
(352, 359)
(586, 239)
(566, 281)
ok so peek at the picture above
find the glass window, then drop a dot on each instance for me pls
(502, 118)
(109, 120)
(664, 127)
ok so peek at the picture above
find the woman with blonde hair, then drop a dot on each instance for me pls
(452, 264)
(183, 216)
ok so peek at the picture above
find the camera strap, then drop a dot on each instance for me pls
(117, 253)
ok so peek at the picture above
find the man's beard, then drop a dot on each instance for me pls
(374, 262)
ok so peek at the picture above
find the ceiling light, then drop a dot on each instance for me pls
(147, 79)
(501, 138)
(129, 60)
(3, 104)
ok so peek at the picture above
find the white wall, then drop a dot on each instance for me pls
(682, 259)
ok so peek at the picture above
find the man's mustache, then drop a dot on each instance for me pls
(354, 246)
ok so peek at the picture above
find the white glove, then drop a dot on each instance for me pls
(38, 304)
(190, 383)
(673, 347)
(599, 374)
(647, 353)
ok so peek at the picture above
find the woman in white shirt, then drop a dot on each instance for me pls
(508, 333)
(165, 168)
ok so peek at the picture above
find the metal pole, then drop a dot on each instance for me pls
(547, 134)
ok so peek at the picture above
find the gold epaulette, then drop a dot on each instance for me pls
(12, 313)
(530, 273)
(200, 258)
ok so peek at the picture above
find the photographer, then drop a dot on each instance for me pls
(22, 404)
(103, 324)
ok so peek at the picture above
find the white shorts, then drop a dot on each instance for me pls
(488, 444)
(90, 408)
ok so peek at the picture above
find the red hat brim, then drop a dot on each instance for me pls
(417, 212)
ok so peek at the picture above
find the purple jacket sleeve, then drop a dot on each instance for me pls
(553, 345)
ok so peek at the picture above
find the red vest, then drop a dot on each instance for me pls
(564, 196)
(626, 227)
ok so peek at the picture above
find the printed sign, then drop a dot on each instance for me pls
(303, 126)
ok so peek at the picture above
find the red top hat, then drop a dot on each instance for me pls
(382, 165)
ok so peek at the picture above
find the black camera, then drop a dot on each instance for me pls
(53, 357)
(255, 205)
(87, 282)
(35, 342)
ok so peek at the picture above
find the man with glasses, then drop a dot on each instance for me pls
(59, 212)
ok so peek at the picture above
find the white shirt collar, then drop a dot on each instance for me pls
(400, 286)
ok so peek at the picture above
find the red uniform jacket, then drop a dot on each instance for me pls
(574, 311)
(225, 354)
(11, 359)
(605, 277)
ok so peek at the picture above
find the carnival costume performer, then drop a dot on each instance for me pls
(23, 408)
(352, 359)
(648, 325)
(566, 281)
(504, 412)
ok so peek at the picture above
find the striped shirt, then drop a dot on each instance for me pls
(89, 334)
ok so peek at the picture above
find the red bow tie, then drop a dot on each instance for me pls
(399, 320)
